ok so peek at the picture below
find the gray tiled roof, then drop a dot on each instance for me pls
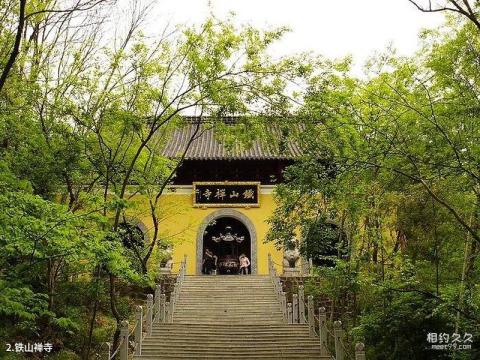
(207, 146)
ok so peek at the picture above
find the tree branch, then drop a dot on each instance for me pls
(16, 46)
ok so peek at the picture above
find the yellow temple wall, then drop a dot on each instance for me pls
(180, 223)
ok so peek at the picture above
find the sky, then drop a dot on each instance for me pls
(333, 28)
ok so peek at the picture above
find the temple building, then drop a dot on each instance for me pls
(220, 201)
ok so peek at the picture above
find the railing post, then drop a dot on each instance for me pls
(138, 330)
(301, 304)
(311, 318)
(322, 330)
(156, 312)
(167, 312)
(295, 308)
(173, 296)
(310, 266)
(289, 313)
(360, 351)
(177, 288)
(124, 340)
(162, 308)
(274, 278)
(270, 265)
(338, 333)
(170, 311)
(149, 320)
(279, 288)
(184, 270)
(283, 304)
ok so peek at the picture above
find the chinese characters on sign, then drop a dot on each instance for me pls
(444, 341)
(29, 347)
(219, 194)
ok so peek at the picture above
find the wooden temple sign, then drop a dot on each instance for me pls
(226, 194)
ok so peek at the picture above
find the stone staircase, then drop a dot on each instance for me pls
(229, 317)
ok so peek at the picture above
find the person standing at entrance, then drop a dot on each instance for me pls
(209, 262)
(244, 264)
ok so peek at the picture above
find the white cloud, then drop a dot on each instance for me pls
(334, 28)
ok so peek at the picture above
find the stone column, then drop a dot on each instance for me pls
(173, 296)
(295, 308)
(156, 311)
(289, 313)
(161, 316)
(138, 330)
(360, 351)
(283, 304)
(338, 333)
(149, 320)
(167, 312)
(311, 316)
(270, 265)
(124, 340)
(322, 330)
(301, 304)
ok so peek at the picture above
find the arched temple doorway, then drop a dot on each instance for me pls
(227, 233)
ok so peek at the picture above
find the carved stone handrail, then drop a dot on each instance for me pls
(157, 311)
(294, 313)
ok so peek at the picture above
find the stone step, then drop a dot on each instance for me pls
(222, 355)
(229, 304)
(238, 287)
(240, 297)
(223, 308)
(227, 307)
(229, 317)
(253, 282)
(228, 285)
(172, 339)
(226, 291)
(220, 302)
(187, 337)
(235, 322)
(247, 342)
(226, 354)
(225, 277)
(217, 304)
(232, 347)
(223, 328)
(227, 351)
(226, 320)
(196, 314)
(180, 314)
(230, 314)
(228, 295)
(227, 300)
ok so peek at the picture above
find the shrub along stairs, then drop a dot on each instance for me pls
(226, 317)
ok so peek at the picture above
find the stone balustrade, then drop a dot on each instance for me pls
(158, 310)
(294, 313)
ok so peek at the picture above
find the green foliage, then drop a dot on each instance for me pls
(83, 122)
(323, 242)
(403, 187)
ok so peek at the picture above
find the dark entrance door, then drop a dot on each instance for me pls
(227, 238)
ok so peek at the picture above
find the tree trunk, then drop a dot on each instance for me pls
(16, 46)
